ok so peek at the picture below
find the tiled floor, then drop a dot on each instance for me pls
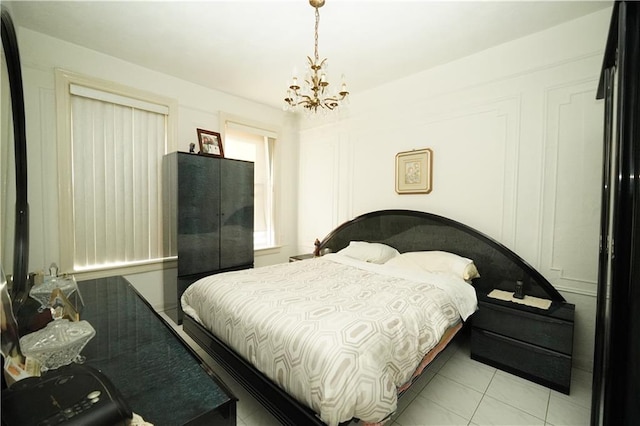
(457, 390)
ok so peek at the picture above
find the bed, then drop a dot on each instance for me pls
(304, 374)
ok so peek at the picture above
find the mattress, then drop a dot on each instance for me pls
(339, 335)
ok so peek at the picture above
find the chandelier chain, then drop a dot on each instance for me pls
(317, 57)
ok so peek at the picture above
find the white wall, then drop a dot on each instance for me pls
(516, 135)
(198, 107)
(515, 132)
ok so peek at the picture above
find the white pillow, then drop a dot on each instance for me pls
(369, 252)
(437, 261)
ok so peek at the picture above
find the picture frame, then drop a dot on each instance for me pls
(414, 171)
(210, 143)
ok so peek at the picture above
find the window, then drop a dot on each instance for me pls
(111, 175)
(256, 143)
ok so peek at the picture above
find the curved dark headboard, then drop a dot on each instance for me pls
(408, 230)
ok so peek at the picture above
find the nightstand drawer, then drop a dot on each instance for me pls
(540, 330)
(537, 364)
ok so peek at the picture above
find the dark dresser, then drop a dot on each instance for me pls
(533, 343)
(159, 375)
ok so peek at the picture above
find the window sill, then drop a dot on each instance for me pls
(158, 265)
(265, 251)
(168, 263)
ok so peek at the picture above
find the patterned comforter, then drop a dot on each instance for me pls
(338, 334)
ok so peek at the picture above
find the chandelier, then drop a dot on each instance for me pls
(315, 94)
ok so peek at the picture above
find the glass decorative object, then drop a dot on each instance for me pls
(42, 292)
(58, 344)
(56, 292)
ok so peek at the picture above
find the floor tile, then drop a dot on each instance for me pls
(425, 412)
(580, 392)
(464, 346)
(562, 412)
(404, 402)
(261, 417)
(468, 372)
(427, 375)
(494, 412)
(452, 396)
(440, 361)
(520, 393)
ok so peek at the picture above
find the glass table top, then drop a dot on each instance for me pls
(161, 378)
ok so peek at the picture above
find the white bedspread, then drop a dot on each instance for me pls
(338, 334)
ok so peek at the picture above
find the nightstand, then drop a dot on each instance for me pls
(533, 343)
(301, 257)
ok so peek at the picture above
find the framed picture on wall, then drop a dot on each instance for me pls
(210, 143)
(414, 171)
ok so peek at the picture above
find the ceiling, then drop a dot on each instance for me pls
(250, 48)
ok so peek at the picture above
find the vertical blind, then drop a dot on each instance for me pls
(253, 144)
(117, 149)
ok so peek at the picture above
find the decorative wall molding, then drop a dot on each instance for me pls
(565, 202)
(318, 199)
(507, 111)
(348, 195)
(577, 290)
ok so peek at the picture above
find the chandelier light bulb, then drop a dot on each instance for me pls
(294, 84)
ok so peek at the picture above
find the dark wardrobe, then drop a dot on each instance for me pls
(210, 202)
(616, 370)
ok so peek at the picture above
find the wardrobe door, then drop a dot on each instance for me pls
(616, 371)
(236, 214)
(198, 214)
